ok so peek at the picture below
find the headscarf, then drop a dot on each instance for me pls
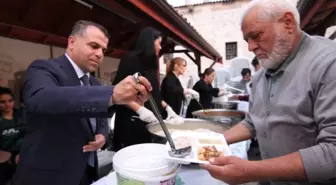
(144, 47)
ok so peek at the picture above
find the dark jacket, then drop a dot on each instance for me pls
(172, 92)
(58, 109)
(12, 132)
(206, 92)
(129, 129)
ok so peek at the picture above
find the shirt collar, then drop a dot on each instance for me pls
(288, 60)
(80, 73)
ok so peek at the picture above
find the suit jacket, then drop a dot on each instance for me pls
(58, 109)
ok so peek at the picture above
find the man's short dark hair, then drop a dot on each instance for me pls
(80, 27)
(5, 90)
(245, 71)
(255, 62)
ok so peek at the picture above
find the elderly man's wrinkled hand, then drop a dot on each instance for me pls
(231, 170)
(128, 90)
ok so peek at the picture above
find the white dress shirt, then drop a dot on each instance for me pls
(80, 73)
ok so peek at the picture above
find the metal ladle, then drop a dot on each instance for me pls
(179, 153)
(204, 111)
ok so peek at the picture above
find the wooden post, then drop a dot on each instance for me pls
(198, 61)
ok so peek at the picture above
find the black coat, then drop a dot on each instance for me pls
(172, 92)
(206, 92)
(129, 129)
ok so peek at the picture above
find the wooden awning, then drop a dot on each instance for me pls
(50, 22)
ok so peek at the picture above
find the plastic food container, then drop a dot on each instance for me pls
(198, 141)
(144, 164)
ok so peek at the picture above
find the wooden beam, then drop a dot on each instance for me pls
(45, 39)
(26, 7)
(311, 26)
(330, 5)
(117, 9)
(331, 19)
(213, 63)
(321, 15)
(198, 62)
(179, 51)
(10, 31)
(321, 26)
(144, 7)
(57, 25)
(318, 4)
(51, 51)
(191, 58)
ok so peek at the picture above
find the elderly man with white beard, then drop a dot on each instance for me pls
(292, 108)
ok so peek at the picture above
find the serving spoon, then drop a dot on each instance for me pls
(174, 152)
(204, 111)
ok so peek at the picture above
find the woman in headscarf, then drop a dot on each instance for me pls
(131, 120)
(206, 92)
(171, 88)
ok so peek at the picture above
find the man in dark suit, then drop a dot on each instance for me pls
(67, 110)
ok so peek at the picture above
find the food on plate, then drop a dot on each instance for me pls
(183, 141)
(211, 141)
(207, 152)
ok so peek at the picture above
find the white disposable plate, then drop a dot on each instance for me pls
(213, 139)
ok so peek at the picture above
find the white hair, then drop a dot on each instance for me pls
(273, 10)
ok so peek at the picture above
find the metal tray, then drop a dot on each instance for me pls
(189, 124)
(221, 115)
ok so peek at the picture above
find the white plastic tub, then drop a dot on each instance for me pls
(144, 164)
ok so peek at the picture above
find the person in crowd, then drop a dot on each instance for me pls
(11, 124)
(172, 91)
(67, 111)
(255, 64)
(131, 119)
(245, 85)
(246, 79)
(206, 92)
(12, 129)
(292, 108)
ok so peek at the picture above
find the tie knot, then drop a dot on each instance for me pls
(85, 80)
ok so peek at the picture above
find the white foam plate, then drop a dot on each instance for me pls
(211, 138)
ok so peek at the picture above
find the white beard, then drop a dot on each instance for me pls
(281, 48)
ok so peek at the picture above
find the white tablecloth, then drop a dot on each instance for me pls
(190, 174)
